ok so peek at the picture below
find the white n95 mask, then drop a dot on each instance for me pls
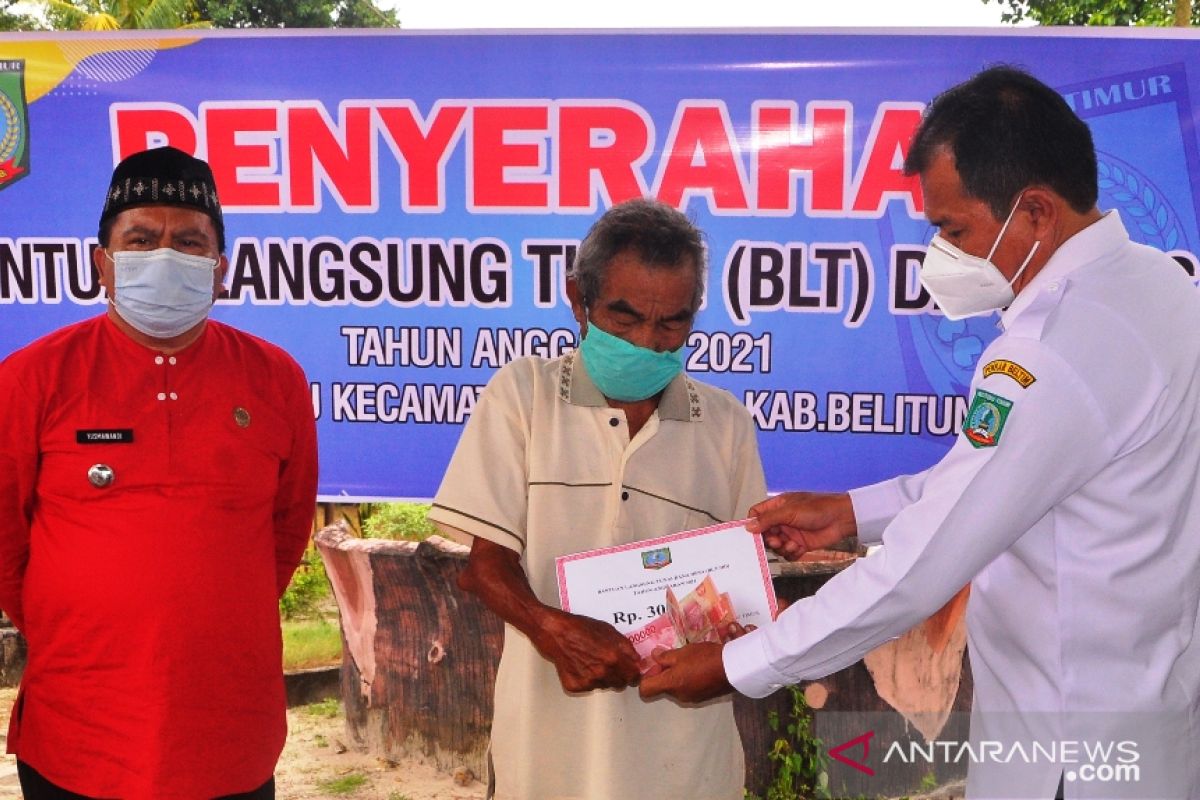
(162, 292)
(964, 285)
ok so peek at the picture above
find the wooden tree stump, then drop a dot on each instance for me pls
(420, 655)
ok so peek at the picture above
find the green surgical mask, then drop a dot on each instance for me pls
(623, 371)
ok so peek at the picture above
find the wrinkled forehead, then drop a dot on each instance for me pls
(631, 280)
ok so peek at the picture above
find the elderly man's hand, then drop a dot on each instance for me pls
(588, 654)
(793, 523)
(691, 674)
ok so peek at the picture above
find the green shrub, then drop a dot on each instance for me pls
(397, 521)
(798, 756)
(929, 781)
(308, 588)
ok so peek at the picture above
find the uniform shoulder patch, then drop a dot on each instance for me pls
(1012, 369)
(985, 418)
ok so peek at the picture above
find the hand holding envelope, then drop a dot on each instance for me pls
(691, 674)
(587, 654)
(703, 615)
(791, 524)
(794, 523)
(634, 588)
(702, 621)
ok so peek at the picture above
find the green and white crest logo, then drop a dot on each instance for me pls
(985, 418)
(656, 559)
(14, 123)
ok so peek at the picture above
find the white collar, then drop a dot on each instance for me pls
(1096, 240)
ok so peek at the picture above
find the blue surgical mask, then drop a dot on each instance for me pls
(162, 292)
(622, 370)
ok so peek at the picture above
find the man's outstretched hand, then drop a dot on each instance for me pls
(793, 523)
(691, 674)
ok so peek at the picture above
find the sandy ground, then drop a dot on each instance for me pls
(316, 764)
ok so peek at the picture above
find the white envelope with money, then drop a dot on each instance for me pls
(627, 585)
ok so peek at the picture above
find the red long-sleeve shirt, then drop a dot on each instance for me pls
(150, 605)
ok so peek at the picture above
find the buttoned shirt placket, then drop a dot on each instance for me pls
(621, 451)
(167, 397)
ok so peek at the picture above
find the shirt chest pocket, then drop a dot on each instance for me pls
(241, 446)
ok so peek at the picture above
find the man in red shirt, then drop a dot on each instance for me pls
(157, 486)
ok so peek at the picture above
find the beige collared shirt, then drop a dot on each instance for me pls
(545, 467)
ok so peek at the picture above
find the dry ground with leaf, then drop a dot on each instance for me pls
(316, 764)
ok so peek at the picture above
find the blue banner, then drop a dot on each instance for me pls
(401, 208)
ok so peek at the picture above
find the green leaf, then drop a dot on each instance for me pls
(1091, 12)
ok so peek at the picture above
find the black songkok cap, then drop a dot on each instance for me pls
(164, 176)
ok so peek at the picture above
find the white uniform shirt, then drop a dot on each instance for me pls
(546, 468)
(1079, 531)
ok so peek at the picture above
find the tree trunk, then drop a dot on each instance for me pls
(420, 655)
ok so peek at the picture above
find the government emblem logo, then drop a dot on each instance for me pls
(14, 123)
(985, 418)
(656, 559)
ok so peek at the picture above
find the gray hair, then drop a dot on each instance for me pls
(658, 234)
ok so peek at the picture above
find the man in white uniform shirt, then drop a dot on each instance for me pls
(607, 445)
(1070, 500)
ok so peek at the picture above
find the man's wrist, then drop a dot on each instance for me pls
(847, 521)
(545, 623)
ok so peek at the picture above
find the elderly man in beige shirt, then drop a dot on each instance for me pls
(606, 445)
